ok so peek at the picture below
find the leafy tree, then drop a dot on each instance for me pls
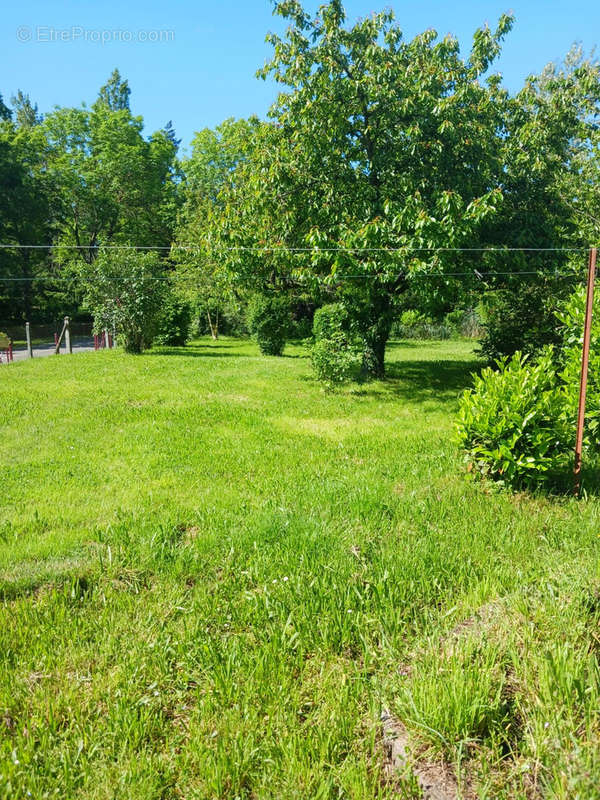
(201, 273)
(25, 220)
(125, 291)
(80, 178)
(111, 185)
(5, 112)
(380, 150)
(115, 93)
(26, 113)
(549, 152)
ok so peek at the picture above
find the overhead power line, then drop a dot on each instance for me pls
(411, 275)
(285, 249)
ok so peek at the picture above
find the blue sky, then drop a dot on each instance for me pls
(203, 70)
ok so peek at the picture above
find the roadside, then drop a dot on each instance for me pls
(80, 345)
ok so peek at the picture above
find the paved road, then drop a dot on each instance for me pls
(79, 346)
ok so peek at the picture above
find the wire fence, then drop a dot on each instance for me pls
(43, 337)
(311, 276)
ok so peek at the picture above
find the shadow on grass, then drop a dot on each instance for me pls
(416, 381)
(221, 350)
(198, 351)
(562, 482)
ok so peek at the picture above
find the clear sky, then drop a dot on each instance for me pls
(203, 69)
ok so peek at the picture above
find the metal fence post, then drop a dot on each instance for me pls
(28, 339)
(68, 345)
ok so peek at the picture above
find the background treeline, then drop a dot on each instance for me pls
(385, 172)
(78, 179)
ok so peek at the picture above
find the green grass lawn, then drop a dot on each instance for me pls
(215, 576)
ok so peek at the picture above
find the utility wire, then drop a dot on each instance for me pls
(315, 250)
(411, 276)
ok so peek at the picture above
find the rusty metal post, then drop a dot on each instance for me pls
(585, 360)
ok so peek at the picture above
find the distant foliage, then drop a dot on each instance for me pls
(124, 291)
(269, 321)
(520, 320)
(175, 321)
(413, 324)
(517, 424)
(459, 323)
(335, 356)
(464, 323)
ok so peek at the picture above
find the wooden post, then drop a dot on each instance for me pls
(58, 339)
(585, 360)
(28, 339)
(106, 339)
(68, 345)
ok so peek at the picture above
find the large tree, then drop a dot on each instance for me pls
(111, 184)
(202, 275)
(24, 221)
(549, 186)
(380, 152)
(26, 113)
(78, 178)
(385, 157)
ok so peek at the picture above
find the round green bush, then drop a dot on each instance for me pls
(517, 424)
(175, 321)
(512, 425)
(125, 291)
(335, 357)
(269, 321)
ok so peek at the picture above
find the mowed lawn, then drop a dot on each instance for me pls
(215, 577)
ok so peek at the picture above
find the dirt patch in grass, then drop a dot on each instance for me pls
(435, 780)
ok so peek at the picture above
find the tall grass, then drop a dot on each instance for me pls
(215, 575)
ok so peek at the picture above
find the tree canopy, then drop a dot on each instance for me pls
(78, 179)
(382, 157)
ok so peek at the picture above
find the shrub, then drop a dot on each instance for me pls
(175, 321)
(517, 424)
(269, 321)
(520, 321)
(124, 291)
(512, 423)
(335, 357)
(330, 320)
(571, 318)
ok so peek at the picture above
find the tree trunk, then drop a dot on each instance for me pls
(214, 329)
(375, 324)
(373, 363)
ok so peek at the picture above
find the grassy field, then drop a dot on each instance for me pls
(215, 577)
